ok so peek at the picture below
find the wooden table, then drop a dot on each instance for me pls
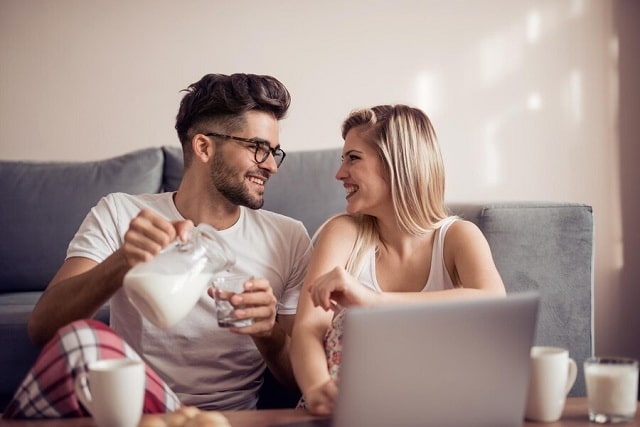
(575, 414)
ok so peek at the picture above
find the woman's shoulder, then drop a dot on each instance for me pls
(461, 232)
(342, 221)
(455, 222)
(341, 225)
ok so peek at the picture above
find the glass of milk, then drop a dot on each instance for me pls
(612, 388)
(165, 289)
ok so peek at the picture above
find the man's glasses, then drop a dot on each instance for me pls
(262, 149)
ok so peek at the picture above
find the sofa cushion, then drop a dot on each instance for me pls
(173, 165)
(305, 187)
(45, 202)
(18, 353)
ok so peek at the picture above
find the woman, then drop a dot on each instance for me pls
(396, 243)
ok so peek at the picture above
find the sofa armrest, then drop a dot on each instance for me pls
(548, 248)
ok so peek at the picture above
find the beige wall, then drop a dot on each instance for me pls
(532, 100)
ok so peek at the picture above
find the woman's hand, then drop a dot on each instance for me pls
(320, 400)
(340, 287)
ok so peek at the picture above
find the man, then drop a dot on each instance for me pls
(228, 128)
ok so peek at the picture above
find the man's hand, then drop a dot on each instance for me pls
(259, 304)
(148, 234)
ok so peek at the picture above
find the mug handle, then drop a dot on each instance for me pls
(83, 392)
(571, 375)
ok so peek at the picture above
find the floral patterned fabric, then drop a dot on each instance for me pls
(332, 348)
(333, 344)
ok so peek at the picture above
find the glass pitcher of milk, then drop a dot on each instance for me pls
(165, 289)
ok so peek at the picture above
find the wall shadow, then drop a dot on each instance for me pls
(626, 15)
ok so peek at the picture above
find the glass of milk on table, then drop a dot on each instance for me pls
(166, 288)
(612, 388)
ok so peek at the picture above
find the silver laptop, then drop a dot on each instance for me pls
(463, 363)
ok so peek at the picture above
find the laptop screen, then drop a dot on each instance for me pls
(455, 363)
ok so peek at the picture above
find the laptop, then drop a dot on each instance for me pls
(462, 363)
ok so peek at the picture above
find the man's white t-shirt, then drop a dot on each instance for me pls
(206, 366)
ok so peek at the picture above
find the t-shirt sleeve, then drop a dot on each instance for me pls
(99, 235)
(300, 256)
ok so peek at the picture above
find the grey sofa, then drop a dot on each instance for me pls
(546, 247)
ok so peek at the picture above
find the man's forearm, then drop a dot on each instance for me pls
(275, 351)
(76, 297)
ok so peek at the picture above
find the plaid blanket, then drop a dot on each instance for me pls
(48, 389)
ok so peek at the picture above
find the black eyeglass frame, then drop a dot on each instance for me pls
(258, 145)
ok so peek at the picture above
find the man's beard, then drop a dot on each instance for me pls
(223, 179)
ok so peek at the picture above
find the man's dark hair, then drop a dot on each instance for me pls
(223, 99)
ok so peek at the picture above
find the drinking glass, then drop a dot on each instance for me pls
(612, 388)
(225, 287)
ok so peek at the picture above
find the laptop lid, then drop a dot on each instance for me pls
(458, 363)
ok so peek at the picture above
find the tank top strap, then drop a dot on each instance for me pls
(439, 278)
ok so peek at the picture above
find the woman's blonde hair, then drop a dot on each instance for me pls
(405, 140)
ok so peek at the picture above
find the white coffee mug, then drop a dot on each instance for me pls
(112, 391)
(552, 374)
